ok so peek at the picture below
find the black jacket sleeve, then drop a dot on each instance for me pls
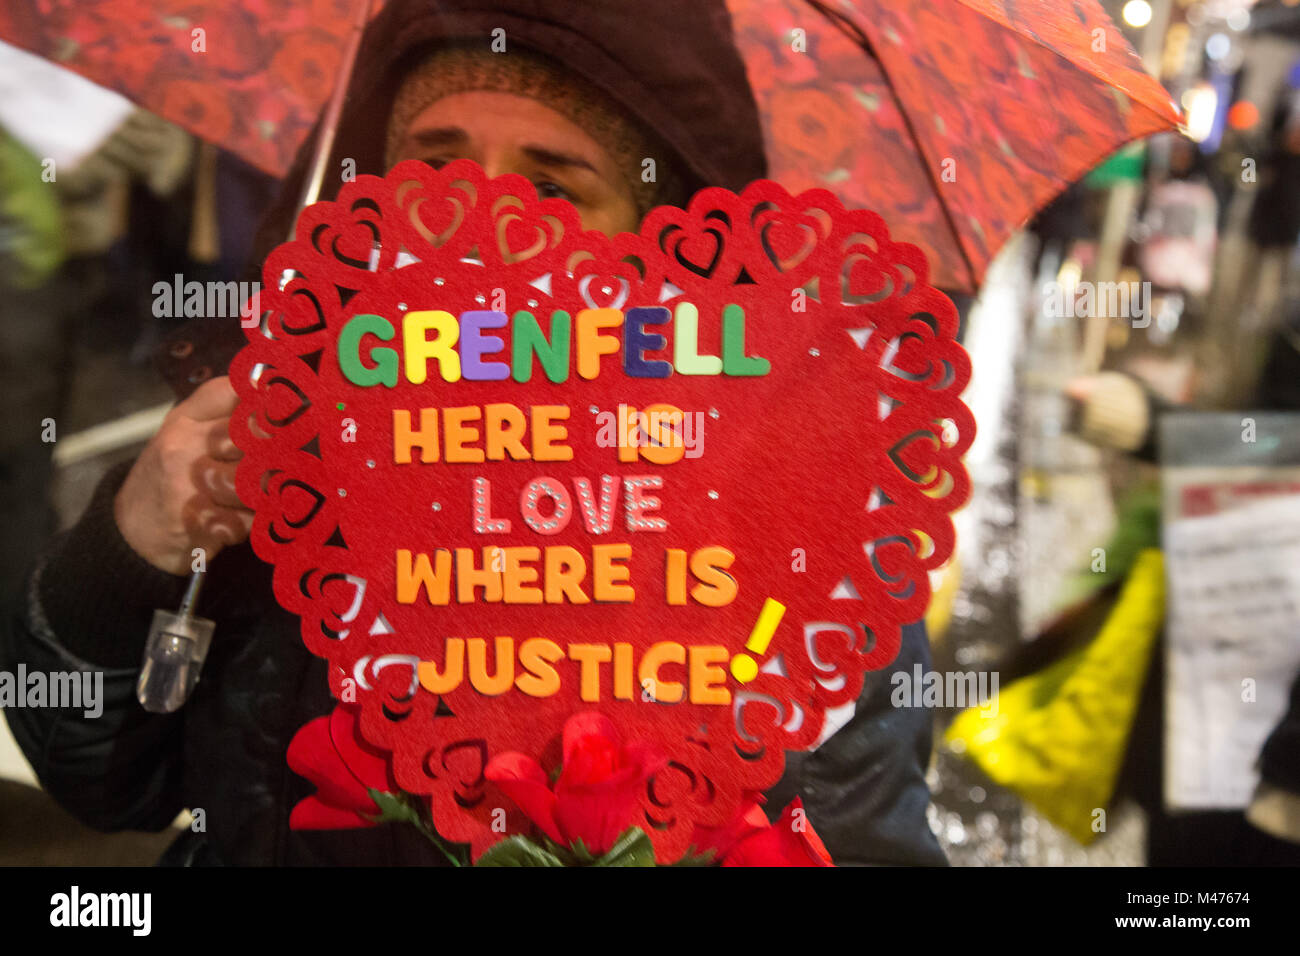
(864, 789)
(87, 607)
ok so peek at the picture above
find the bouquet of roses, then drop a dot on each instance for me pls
(584, 814)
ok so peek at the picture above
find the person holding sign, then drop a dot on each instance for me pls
(583, 104)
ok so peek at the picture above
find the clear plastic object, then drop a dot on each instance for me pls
(173, 655)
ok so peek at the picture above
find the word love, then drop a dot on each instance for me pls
(551, 495)
(460, 347)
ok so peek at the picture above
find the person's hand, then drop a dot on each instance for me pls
(180, 494)
(147, 147)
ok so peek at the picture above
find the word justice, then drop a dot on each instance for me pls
(539, 667)
(460, 347)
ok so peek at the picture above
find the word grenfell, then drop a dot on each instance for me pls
(75, 908)
(78, 690)
(459, 348)
(207, 300)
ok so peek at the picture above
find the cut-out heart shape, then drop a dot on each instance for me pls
(499, 494)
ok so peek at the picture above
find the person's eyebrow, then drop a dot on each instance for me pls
(439, 136)
(550, 157)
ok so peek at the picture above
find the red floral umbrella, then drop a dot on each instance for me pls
(954, 119)
(966, 117)
(253, 81)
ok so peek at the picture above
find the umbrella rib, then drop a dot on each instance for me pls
(856, 34)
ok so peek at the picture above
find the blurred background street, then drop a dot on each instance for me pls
(1070, 483)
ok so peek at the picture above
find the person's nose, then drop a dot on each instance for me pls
(495, 162)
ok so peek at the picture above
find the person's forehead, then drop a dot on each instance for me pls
(479, 120)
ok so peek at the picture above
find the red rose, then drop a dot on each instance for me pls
(597, 796)
(749, 820)
(749, 840)
(330, 753)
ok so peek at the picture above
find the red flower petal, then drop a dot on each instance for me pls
(599, 813)
(588, 723)
(368, 765)
(761, 849)
(782, 844)
(590, 760)
(522, 779)
(750, 819)
(598, 795)
(312, 755)
(804, 839)
(315, 814)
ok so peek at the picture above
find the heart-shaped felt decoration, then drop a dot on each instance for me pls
(508, 470)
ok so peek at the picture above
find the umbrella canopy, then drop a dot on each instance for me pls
(956, 120)
(962, 119)
(248, 75)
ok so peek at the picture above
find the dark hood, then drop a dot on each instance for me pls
(672, 64)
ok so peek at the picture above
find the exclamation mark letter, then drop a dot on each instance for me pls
(743, 667)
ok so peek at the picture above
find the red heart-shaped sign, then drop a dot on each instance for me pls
(685, 478)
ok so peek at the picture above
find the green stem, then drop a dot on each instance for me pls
(417, 818)
(436, 840)
(399, 807)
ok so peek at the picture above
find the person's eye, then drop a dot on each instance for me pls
(546, 189)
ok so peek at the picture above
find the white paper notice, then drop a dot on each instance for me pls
(55, 113)
(1233, 646)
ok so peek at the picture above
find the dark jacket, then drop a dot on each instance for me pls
(89, 603)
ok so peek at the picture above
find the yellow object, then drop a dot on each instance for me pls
(1057, 738)
(743, 667)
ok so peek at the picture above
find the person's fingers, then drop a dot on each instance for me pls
(232, 525)
(214, 527)
(218, 443)
(1081, 387)
(217, 480)
(120, 155)
(213, 399)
